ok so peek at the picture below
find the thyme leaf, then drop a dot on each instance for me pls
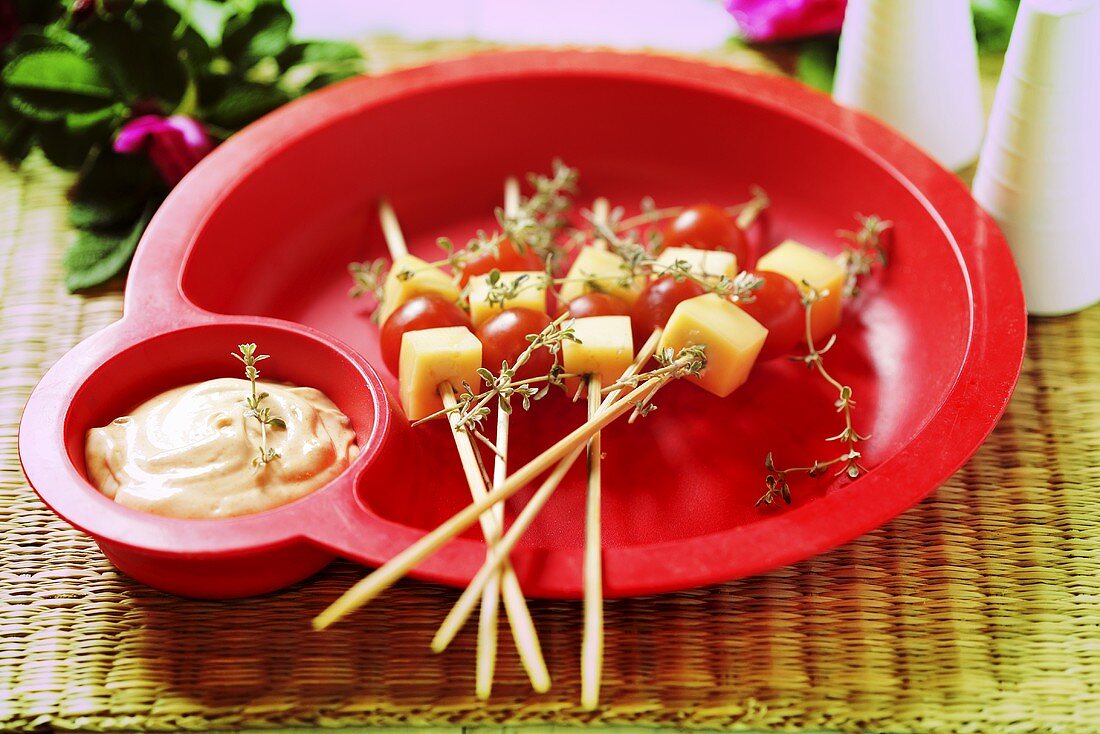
(261, 413)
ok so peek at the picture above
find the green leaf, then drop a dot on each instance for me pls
(265, 32)
(99, 255)
(206, 17)
(28, 40)
(817, 63)
(48, 83)
(63, 148)
(310, 52)
(111, 190)
(324, 80)
(16, 135)
(243, 103)
(330, 51)
(143, 64)
(102, 121)
(160, 21)
(62, 37)
(58, 70)
(993, 21)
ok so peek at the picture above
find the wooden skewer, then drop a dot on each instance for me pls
(752, 210)
(521, 623)
(523, 627)
(592, 642)
(487, 624)
(601, 210)
(390, 572)
(511, 196)
(391, 230)
(462, 609)
(526, 638)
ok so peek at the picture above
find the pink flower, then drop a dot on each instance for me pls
(776, 20)
(174, 144)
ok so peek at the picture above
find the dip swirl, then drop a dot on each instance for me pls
(189, 451)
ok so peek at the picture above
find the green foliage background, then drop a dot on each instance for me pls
(77, 70)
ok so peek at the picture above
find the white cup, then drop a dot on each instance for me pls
(1059, 281)
(914, 64)
(1039, 172)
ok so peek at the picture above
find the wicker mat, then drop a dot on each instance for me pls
(977, 611)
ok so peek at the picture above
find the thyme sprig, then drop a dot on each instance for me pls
(541, 217)
(502, 290)
(369, 278)
(473, 408)
(536, 224)
(637, 261)
(261, 413)
(650, 215)
(674, 365)
(866, 249)
(778, 485)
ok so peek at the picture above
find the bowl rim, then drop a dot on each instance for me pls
(968, 413)
(44, 456)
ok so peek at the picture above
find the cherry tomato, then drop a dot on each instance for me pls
(658, 300)
(706, 227)
(509, 259)
(504, 337)
(429, 311)
(778, 307)
(597, 304)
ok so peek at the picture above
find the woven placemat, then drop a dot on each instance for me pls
(978, 610)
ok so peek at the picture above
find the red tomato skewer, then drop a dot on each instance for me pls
(658, 300)
(706, 227)
(596, 304)
(777, 305)
(427, 311)
(492, 522)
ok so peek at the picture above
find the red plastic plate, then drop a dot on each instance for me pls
(253, 246)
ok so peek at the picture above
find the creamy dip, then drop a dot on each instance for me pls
(189, 452)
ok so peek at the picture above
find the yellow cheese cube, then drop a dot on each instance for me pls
(733, 340)
(430, 357)
(800, 263)
(410, 276)
(603, 271)
(606, 347)
(706, 263)
(530, 293)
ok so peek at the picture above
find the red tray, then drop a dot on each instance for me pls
(253, 246)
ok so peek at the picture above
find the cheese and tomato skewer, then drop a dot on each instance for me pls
(731, 336)
(570, 445)
(592, 640)
(460, 612)
(432, 363)
(487, 624)
(381, 579)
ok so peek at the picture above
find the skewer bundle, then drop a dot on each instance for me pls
(590, 347)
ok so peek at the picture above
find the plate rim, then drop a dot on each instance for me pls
(990, 367)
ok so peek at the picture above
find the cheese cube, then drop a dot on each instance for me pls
(733, 340)
(531, 293)
(800, 263)
(430, 357)
(706, 263)
(606, 348)
(599, 270)
(410, 276)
